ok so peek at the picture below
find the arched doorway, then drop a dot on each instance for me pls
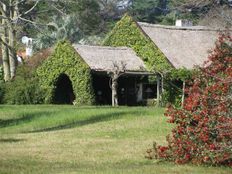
(64, 91)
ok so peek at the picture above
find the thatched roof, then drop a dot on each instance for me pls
(101, 58)
(183, 46)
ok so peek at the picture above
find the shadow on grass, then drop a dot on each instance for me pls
(24, 117)
(94, 119)
(11, 140)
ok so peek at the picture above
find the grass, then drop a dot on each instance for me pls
(68, 139)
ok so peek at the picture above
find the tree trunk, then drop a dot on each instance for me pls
(12, 53)
(12, 44)
(5, 62)
(114, 92)
(5, 55)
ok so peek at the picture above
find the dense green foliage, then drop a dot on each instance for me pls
(127, 33)
(71, 20)
(173, 84)
(1, 73)
(1, 84)
(182, 74)
(59, 28)
(65, 60)
(172, 93)
(88, 12)
(151, 11)
(24, 89)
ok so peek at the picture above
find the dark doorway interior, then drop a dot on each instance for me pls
(127, 91)
(149, 91)
(102, 89)
(64, 91)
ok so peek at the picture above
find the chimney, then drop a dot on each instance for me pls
(183, 23)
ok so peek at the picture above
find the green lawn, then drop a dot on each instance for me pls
(68, 139)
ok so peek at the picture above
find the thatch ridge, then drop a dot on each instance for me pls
(184, 47)
(194, 28)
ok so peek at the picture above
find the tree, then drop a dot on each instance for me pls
(215, 13)
(10, 15)
(203, 129)
(117, 71)
(60, 28)
(5, 58)
(76, 21)
(149, 10)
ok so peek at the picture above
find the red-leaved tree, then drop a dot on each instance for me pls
(203, 132)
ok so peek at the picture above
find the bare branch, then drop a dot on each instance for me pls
(2, 10)
(4, 17)
(29, 21)
(3, 3)
(28, 11)
(59, 10)
(19, 2)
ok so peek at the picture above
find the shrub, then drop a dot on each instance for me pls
(24, 89)
(1, 84)
(203, 129)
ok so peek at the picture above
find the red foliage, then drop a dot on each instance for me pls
(204, 126)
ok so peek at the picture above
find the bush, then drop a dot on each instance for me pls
(1, 84)
(203, 129)
(24, 89)
(2, 91)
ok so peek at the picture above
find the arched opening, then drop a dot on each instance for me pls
(64, 91)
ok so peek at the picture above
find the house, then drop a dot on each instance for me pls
(80, 74)
(164, 47)
(146, 53)
(166, 50)
(102, 61)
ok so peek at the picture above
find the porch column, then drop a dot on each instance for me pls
(183, 94)
(158, 90)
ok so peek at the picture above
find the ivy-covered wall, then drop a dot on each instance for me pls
(65, 60)
(128, 33)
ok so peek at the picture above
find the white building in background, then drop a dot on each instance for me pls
(29, 45)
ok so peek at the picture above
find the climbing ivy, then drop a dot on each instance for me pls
(128, 33)
(182, 74)
(65, 60)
